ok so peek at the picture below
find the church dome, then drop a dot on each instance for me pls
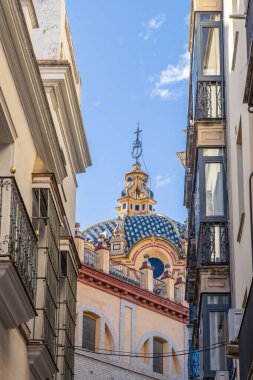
(138, 227)
(137, 219)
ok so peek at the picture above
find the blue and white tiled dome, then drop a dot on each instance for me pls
(139, 227)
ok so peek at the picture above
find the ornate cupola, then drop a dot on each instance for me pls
(136, 197)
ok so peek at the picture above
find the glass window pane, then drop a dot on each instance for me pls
(89, 332)
(211, 51)
(217, 333)
(210, 17)
(157, 360)
(218, 299)
(214, 189)
(211, 152)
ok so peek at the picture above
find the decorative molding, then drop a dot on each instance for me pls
(40, 361)
(133, 294)
(157, 242)
(31, 11)
(58, 75)
(7, 125)
(15, 304)
(20, 55)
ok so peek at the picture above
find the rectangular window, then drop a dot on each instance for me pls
(214, 192)
(217, 334)
(124, 206)
(137, 207)
(89, 333)
(150, 207)
(143, 207)
(158, 360)
(211, 58)
(214, 311)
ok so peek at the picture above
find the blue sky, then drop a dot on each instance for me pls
(133, 61)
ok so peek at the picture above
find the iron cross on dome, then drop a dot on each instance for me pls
(137, 144)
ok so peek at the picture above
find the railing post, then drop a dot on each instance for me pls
(103, 259)
(79, 242)
(169, 281)
(147, 274)
(180, 288)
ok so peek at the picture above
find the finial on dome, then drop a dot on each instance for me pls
(137, 145)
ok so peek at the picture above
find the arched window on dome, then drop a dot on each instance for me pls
(157, 265)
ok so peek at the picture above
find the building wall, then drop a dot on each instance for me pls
(88, 366)
(237, 111)
(33, 139)
(130, 326)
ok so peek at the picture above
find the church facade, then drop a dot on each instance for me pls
(131, 314)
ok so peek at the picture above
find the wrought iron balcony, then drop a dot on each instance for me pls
(66, 339)
(213, 244)
(46, 222)
(17, 237)
(246, 339)
(209, 100)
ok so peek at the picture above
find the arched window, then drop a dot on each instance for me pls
(89, 332)
(157, 355)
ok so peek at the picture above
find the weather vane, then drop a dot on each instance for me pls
(137, 145)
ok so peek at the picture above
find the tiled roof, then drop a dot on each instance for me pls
(138, 227)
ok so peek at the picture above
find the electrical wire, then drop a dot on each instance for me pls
(130, 352)
(167, 355)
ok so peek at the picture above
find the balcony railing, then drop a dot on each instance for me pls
(46, 222)
(126, 274)
(17, 237)
(246, 339)
(209, 100)
(159, 287)
(89, 258)
(66, 336)
(213, 244)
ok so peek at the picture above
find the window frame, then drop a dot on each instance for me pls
(200, 45)
(206, 309)
(200, 166)
(91, 317)
(158, 361)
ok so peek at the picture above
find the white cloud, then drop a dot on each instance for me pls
(165, 180)
(187, 19)
(97, 103)
(153, 24)
(174, 74)
(156, 22)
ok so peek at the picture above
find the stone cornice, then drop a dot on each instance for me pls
(19, 52)
(58, 75)
(141, 297)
